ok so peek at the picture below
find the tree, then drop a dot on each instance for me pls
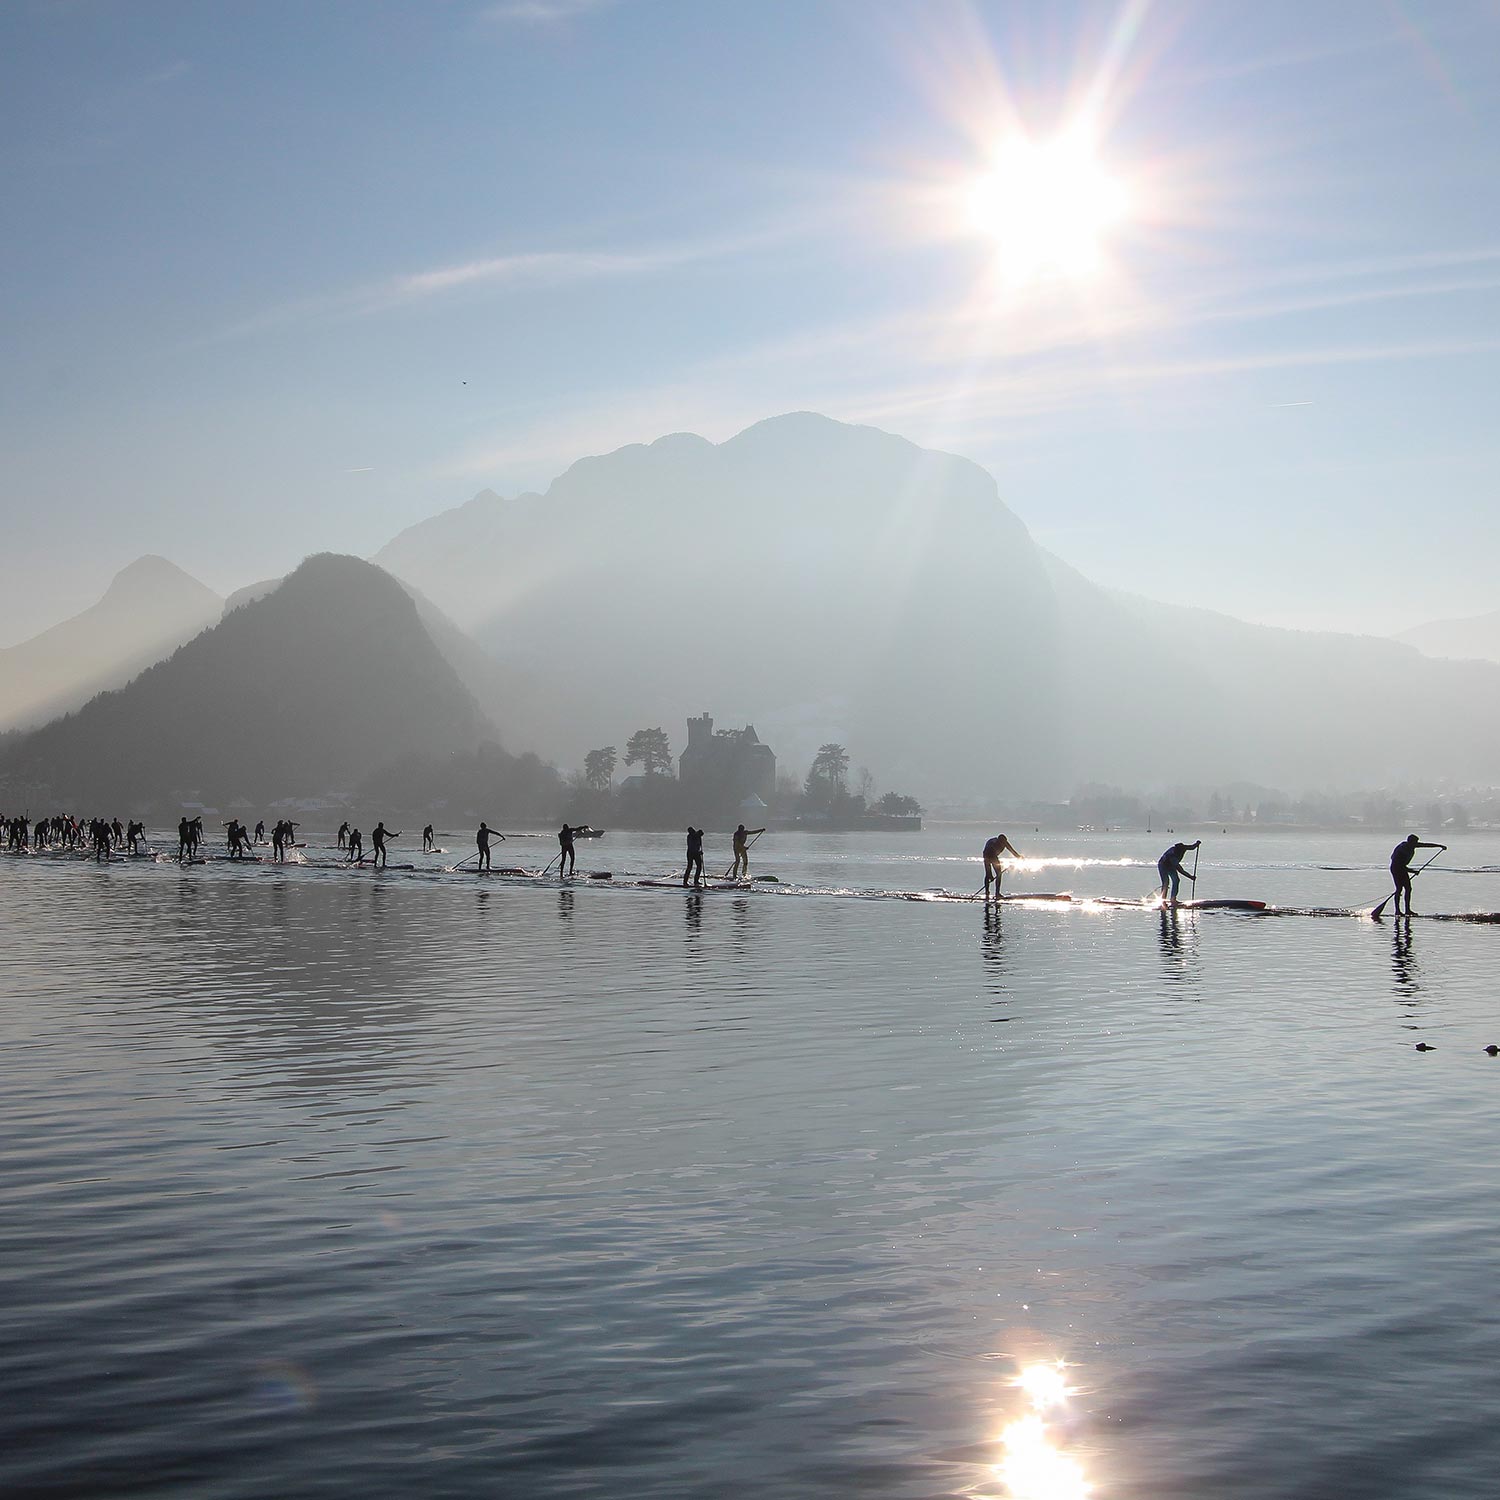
(599, 768)
(651, 749)
(895, 805)
(830, 765)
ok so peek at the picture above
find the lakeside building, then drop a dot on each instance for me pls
(726, 768)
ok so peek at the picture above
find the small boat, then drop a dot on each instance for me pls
(588, 833)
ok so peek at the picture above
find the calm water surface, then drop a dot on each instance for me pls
(323, 1183)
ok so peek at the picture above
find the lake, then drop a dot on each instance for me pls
(321, 1182)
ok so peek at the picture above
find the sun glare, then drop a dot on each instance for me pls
(1048, 207)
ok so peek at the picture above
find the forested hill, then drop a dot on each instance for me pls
(306, 690)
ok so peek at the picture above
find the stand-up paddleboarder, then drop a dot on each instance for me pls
(378, 836)
(993, 849)
(742, 835)
(1401, 857)
(482, 841)
(694, 856)
(1169, 867)
(567, 860)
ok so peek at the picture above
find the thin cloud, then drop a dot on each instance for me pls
(529, 268)
(167, 73)
(543, 12)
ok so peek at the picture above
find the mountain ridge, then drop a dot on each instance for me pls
(308, 689)
(149, 608)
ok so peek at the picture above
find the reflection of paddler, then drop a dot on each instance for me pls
(993, 849)
(742, 835)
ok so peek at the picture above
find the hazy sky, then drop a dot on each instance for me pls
(282, 277)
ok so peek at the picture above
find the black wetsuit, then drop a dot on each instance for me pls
(694, 856)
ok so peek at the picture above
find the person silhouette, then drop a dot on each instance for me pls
(378, 836)
(1169, 868)
(482, 840)
(694, 856)
(741, 864)
(993, 849)
(1401, 857)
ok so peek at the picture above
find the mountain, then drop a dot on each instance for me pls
(495, 689)
(1162, 693)
(821, 580)
(826, 581)
(311, 688)
(425, 554)
(1474, 639)
(149, 609)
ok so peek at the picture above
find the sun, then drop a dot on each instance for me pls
(1048, 207)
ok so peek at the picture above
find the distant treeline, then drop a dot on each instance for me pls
(1247, 805)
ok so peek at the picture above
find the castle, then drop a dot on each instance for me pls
(727, 769)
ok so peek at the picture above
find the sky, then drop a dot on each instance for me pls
(1212, 290)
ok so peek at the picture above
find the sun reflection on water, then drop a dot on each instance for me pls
(1033, 1466)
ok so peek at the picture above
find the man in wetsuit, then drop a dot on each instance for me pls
(482, 842)
(103, 834)
(742, 851)
(343, 835)
(993, 849)
(135, 832)
(427, 839)
(378, 836)
(278, 839)
(260, 832)
(356, 847)
(568, 860)
(1401, 857)
(1169, 868)
(694, 856)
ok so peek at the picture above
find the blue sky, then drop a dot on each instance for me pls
(285, 277)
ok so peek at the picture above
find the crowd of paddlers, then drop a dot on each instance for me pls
(107, 836)
(63, 831)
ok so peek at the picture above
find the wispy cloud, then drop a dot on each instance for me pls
(543, 12)
(549, 267)
(167, 72)
(497, 273)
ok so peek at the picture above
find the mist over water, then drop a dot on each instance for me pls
(319, 1182)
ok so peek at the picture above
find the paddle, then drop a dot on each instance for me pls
(1196, 853)
(449, 869)
(553, 861)
(1377, 911)
(727, 873)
